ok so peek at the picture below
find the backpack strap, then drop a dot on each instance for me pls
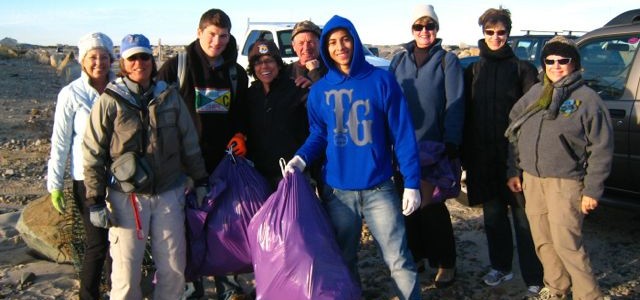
(233, 76)
(182, 68)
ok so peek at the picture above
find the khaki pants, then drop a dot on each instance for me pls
(162, 217)
(554, 214)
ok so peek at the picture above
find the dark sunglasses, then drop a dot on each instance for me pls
(419, 27)
(561, 61)
(490, 32)
(139, 56)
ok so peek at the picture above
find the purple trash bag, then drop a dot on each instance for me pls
(439, 170)
(295, 254)
(217, 231)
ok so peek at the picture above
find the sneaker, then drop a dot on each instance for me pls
(534, 289)
(545, 294)
(495, 277)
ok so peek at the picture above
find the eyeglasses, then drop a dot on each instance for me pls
(561, 61)
(140, 56)
(490, 32)
(265, 61)
(419, 27)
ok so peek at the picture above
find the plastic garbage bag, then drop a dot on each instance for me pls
(295, 255)
(438, 169)
(217, 231)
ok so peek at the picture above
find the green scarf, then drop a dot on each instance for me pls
(543, 103)
(547, 94)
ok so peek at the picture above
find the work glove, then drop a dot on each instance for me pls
(410, 201)
(99, 215)
(201, 193)
(296, 162)
(238, 144)
(57, 198)
(451, 150)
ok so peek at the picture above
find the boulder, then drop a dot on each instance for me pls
(69, 68)
(40, 227)
(40, 55)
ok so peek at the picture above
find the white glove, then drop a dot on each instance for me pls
(295, 162)
(410, 201)
(201, 193)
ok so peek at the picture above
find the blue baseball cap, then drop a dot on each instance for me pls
(134, 44)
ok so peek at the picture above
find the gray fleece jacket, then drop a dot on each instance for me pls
(572, 138)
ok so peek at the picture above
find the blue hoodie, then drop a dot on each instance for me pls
(359, 119)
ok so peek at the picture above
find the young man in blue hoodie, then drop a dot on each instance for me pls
(358, 117)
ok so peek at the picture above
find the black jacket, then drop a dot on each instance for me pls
(217, 122)
(276, 123)
(492, 86)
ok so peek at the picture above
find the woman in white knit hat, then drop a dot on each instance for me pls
(431, 79)
(72, 112)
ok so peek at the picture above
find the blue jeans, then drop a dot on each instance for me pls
(380, 207)
(499, 236)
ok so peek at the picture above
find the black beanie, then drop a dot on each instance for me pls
(561, 46)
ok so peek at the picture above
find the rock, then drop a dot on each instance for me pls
(40, 228)
(69, 68)
(9, 42)
(26, 279)
(40, 55)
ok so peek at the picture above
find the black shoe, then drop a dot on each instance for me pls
(445, 277)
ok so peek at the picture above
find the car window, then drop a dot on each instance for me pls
(252, 37)
(606, 63)
(284, 40)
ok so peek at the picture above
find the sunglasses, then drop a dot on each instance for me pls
(561, 61)
(490, 32)
(419, 27)
(139, 56)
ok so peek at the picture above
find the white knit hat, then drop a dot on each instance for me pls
(424, 10)
(94, 40)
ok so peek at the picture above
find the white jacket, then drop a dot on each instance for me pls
(72, 114)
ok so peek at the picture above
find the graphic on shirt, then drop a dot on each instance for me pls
(357, 127)
(212, 100)
(569, 106)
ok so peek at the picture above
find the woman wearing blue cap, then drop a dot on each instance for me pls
(139, 143)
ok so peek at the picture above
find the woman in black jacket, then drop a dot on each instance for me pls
(493, 85)
(274, 113)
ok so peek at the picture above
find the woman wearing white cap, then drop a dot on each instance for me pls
(143, 125)
(72, 111)
(432, 81)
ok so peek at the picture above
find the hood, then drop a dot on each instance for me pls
(123, 87)
(359, 66)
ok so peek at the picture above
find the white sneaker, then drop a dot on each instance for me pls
(495, 277)
(534, 289)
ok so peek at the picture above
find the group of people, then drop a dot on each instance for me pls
(377, 144)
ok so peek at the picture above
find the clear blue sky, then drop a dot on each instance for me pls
(47, 22)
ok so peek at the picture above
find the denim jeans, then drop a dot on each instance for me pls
(380, 207)
(499, 237)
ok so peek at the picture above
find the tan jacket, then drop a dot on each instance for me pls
(115, 127)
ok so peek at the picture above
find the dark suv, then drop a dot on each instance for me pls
(611, 64)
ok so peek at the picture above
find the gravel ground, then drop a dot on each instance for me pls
(27, 101)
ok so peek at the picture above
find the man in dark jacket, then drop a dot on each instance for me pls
(212, 86)
(305, 40)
